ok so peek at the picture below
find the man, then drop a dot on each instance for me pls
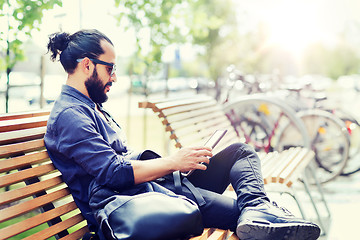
(85, 143)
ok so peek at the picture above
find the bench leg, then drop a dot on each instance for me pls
(294, 196)
(308, 191)
(311, 170)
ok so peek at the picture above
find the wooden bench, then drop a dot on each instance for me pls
(191, 120)
(34, 201)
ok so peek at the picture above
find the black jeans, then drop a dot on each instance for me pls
(237, 164)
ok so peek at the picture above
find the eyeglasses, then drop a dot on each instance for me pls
(111, 71)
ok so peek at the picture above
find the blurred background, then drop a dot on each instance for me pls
(178, 45)
(168, 47)
(182, 47)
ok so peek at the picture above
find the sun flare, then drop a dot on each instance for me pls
(292, 26)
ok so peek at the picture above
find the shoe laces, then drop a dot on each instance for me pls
(282, 209)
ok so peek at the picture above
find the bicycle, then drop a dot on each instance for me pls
(272, 128)
(353, 128)
(330, 138)
(257, 117)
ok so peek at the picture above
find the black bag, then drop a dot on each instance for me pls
(148, 215)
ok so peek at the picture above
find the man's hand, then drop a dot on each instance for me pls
(184, 160)
(190, 158)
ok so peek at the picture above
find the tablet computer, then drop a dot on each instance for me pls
(215, 138)
(212, 142)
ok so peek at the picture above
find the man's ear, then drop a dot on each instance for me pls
(86, 66)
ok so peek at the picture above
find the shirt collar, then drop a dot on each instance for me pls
(66, 89)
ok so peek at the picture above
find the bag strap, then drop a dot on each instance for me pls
(178, 189)
(177, 182)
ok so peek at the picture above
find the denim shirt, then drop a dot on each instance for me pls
(84, 146)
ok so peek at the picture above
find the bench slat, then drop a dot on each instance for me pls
(22, 135)
(201, 135)
(232, 236)
(21, 161)
(51, 231)
(218, 234)
(23, 175)
(291, 177)
(169, 103)
(184, 123)
(269, 169)
(23, 123)
(32, 204)
(291, 166)
(159, 104)
(21, 148)
(21, 193)
(285, 163)
(206, 233)
(266, 165)
(192, 114)
(78, 234)
(202, 126)
(12, 116)
(37, 220)
(188, 108)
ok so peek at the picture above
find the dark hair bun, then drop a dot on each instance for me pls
(58, 43)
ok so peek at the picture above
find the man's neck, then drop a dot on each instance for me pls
(77, 82)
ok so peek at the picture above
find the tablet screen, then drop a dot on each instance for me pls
(215, 138)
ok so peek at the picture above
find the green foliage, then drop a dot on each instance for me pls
(332, 62)
(209, 24)
(212, 26)
(152, 20)
(21, 16)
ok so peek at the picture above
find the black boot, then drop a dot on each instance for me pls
(270, 222)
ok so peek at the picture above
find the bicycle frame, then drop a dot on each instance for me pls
(236, 122)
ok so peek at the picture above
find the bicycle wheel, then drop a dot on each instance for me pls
(263, 115)
(353, 128)
(329, 140)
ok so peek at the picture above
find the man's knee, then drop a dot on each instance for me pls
(241, 147)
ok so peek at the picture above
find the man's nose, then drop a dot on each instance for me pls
(113, 77)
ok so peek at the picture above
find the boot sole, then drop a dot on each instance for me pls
(277, 231)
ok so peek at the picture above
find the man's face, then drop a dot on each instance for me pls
(99, 83)
(96, 88)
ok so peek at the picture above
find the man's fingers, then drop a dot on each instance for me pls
(205, 160)
(201, 166)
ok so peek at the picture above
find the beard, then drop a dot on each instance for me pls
(96, 89)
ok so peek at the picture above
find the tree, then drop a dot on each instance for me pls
(155, 27)
(332, 62)
(210, 24)
(213, 25)
(21, 18)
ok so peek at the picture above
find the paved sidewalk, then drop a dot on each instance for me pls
(343, 197)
